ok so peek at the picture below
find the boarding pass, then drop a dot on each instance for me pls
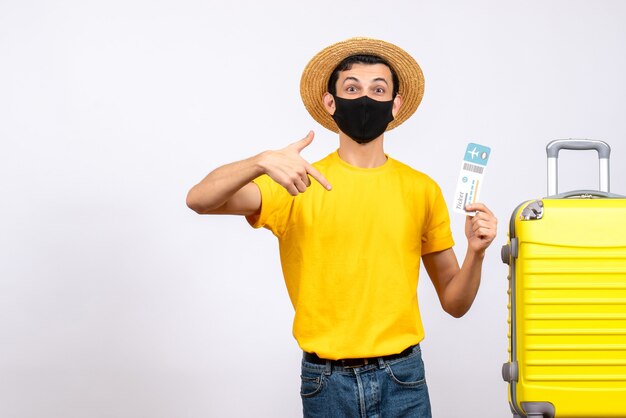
(471, 177)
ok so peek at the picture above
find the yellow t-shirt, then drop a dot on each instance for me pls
(351, 256)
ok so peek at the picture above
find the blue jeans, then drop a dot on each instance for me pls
(386, 389)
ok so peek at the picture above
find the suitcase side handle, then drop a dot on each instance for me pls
(553, 148)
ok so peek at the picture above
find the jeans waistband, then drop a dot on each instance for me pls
(352, 363)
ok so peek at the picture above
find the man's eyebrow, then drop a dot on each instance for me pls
(351, 78)
(383, 79)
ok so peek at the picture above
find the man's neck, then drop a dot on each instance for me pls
(369, 155)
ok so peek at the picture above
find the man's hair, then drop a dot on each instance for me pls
(347, 63)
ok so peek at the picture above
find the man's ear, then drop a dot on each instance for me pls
(397, 104)
(329, 103)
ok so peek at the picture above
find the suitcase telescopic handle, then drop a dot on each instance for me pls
(553, 148)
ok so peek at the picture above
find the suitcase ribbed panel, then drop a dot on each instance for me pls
(571, 307)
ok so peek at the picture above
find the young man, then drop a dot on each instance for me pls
(352, 229)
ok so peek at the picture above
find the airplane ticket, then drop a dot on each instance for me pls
(471, 176)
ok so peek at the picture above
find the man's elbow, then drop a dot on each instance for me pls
(456, 310)
(194, 203)
(457, 314)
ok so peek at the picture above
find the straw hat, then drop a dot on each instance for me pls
(314, 81)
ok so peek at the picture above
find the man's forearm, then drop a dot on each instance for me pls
(461, 291)
(222, 183)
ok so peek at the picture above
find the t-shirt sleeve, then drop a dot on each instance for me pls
(437, 235)
(276, 205)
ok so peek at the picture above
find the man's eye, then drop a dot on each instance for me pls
(351, 89)
(380, 90)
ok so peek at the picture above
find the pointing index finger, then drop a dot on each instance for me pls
(313, 172)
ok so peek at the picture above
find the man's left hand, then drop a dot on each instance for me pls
(481, 228)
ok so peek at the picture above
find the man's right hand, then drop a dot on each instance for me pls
(228, 189)
(287, 168)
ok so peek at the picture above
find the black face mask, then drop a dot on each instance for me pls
(362, 119)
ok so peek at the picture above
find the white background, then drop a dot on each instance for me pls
(118, 301)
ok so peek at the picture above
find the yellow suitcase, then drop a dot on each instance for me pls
(567, 299)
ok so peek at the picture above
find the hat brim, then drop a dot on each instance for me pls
(314, 81)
